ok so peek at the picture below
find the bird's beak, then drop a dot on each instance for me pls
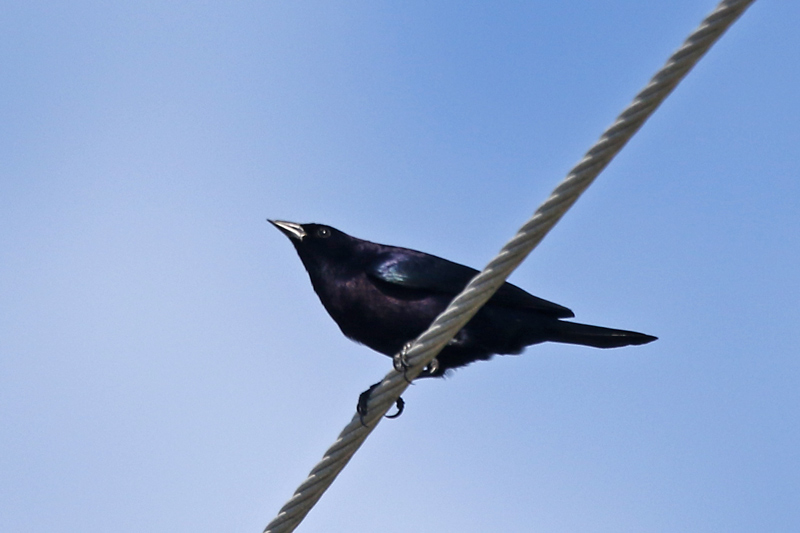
(292, 230)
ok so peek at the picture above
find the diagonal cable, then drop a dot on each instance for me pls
(483, 286)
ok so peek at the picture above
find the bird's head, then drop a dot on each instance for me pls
(315, 242)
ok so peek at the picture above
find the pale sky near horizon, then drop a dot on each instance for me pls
(166, 366)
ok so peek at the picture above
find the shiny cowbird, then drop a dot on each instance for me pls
(385, 296)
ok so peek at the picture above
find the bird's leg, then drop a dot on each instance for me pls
(361, 406)
(363, 399)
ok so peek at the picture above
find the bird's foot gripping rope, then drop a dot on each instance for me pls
(400, 360)
(363, 400)
(401, 364)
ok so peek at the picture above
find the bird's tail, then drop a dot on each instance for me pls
(599, 337)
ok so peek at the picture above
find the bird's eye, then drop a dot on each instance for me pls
(323, 233)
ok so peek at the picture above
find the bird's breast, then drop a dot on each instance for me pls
(379, 315)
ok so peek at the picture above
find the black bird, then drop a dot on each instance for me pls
(385, 296)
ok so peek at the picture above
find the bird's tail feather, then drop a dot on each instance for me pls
(599, 337)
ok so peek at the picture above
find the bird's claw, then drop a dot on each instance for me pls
(400, 359)
(400, 404)
(363, 400)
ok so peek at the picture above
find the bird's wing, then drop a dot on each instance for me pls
(417, 270)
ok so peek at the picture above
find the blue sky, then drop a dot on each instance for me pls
(166, 366)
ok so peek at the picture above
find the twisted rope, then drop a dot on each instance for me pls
(483, 286)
